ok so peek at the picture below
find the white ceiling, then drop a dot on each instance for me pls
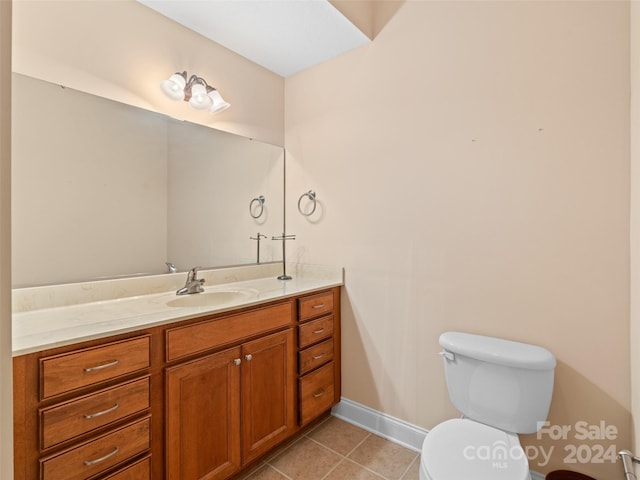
(284, 36)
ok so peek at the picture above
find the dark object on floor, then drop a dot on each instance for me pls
(566, 475)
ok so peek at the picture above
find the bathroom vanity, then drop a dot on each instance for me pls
(202, 389)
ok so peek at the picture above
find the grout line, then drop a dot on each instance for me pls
(377, 474)
(342, 458)
(334, 467)
(268, 465)
(282, 450)
(250, 472)
(306, 433)
(346, 458)
(336, 452)
(409, 467)
(363, 440)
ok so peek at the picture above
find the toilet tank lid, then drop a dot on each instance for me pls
(498, 351)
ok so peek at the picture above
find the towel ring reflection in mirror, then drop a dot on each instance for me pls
(311, 195)
(256, 207)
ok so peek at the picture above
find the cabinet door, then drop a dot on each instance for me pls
(268, 392)
(203, 417)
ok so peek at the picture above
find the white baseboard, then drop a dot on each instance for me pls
(386, 426)
(381, 424)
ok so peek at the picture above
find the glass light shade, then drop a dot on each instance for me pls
(174, 86)
(218, 104)
(199, 98)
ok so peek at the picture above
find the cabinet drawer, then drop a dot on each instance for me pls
(316, 393)
(100, 454)
(69, 371)
(315, 305)
(199, 337)
(315, 356)
(63, 422)
(312, 332)
(141, 470)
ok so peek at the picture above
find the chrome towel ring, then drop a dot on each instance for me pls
(257, 207)
(311, 195)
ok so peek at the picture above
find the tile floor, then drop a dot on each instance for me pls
(337, 450)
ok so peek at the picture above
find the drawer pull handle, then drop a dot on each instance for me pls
(320, 305)
(248, 357)
(100, 367)
(99, 414)
(318, 357)
(237, 361)
(318, 331)
(89, 463)
(319, 394)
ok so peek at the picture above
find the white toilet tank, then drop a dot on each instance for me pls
(501, 383)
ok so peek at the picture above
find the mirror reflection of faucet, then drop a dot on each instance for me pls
(257, 238)
(193, 283)
(171, 267)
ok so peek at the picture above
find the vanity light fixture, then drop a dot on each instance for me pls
(196, 91)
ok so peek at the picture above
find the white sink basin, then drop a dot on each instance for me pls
(212, 298)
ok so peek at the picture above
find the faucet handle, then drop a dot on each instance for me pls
(193, 273)
(171, 267)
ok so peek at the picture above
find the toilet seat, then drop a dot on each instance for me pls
(462, 449)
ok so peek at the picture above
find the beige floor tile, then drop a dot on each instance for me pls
(247, 473)
(351, 471)
(266, 472)
(281, 448)
(384, 457)
(414, 471)
(306, 460)
(338, 435)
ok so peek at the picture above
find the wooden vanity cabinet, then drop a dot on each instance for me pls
(195, 399)
(225, 409)
(83, 412)
(318, 354)
(202, 428)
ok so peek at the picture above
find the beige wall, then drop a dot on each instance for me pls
(213, 178)
(635, 219)
(472, 165)
(6, 411)
(121, 50)
(100, 173)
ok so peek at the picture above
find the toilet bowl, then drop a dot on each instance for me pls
(462, 449)
(502, 388)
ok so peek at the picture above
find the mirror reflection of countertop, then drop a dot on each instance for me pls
(57, 315)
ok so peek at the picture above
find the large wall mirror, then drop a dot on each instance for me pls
(101, 189)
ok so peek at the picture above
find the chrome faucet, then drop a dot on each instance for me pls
(193, 283)
(171, 267)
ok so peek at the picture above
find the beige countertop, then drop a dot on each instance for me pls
(58, 315)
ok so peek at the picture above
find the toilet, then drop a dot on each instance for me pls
(502, 388)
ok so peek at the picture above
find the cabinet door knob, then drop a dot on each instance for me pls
(237, 361)
(248, 357)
